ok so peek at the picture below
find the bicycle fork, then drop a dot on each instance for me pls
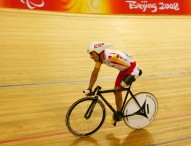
(90, 109)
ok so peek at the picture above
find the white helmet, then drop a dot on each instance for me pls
(98, 47)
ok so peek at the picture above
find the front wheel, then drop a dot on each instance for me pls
(85, 116)
(139, 115)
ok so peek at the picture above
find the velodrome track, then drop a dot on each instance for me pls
(44, 67)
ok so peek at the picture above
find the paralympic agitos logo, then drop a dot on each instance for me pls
(32, 5)
(145, 5)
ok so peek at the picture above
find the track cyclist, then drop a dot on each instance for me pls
(128, 70)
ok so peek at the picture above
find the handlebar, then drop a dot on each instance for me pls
(98, 88)
(95, 90)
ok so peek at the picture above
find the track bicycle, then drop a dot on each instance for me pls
(87, 114)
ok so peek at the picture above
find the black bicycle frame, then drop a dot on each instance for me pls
(99, 93)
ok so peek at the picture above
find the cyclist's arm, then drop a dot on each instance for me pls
(94, 74)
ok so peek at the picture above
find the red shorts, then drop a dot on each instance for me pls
(123, 74)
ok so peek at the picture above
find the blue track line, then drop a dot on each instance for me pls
(85, 81)
(171, 141)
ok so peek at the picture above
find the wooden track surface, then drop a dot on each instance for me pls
(44, 68)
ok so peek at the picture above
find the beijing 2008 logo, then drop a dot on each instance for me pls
(32, 5)
(145, 5)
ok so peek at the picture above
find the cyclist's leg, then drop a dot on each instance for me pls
(118, 95)
(123, 79)
(118, 98)
(118, 101)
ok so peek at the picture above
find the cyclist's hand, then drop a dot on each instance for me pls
(87, 92)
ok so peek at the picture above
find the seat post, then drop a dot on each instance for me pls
(130, 86)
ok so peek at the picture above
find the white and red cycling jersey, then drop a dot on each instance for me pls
(121, 61)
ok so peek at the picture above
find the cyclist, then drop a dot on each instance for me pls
(128, 70)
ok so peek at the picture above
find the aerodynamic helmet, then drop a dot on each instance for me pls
(98, 47)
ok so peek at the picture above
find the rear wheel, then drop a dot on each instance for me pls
(85, 116)
(138, 117)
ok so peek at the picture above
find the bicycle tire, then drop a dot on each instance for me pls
(76, 122)
(136, 117)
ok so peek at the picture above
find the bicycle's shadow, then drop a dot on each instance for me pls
(85, 141)
(135, 138)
